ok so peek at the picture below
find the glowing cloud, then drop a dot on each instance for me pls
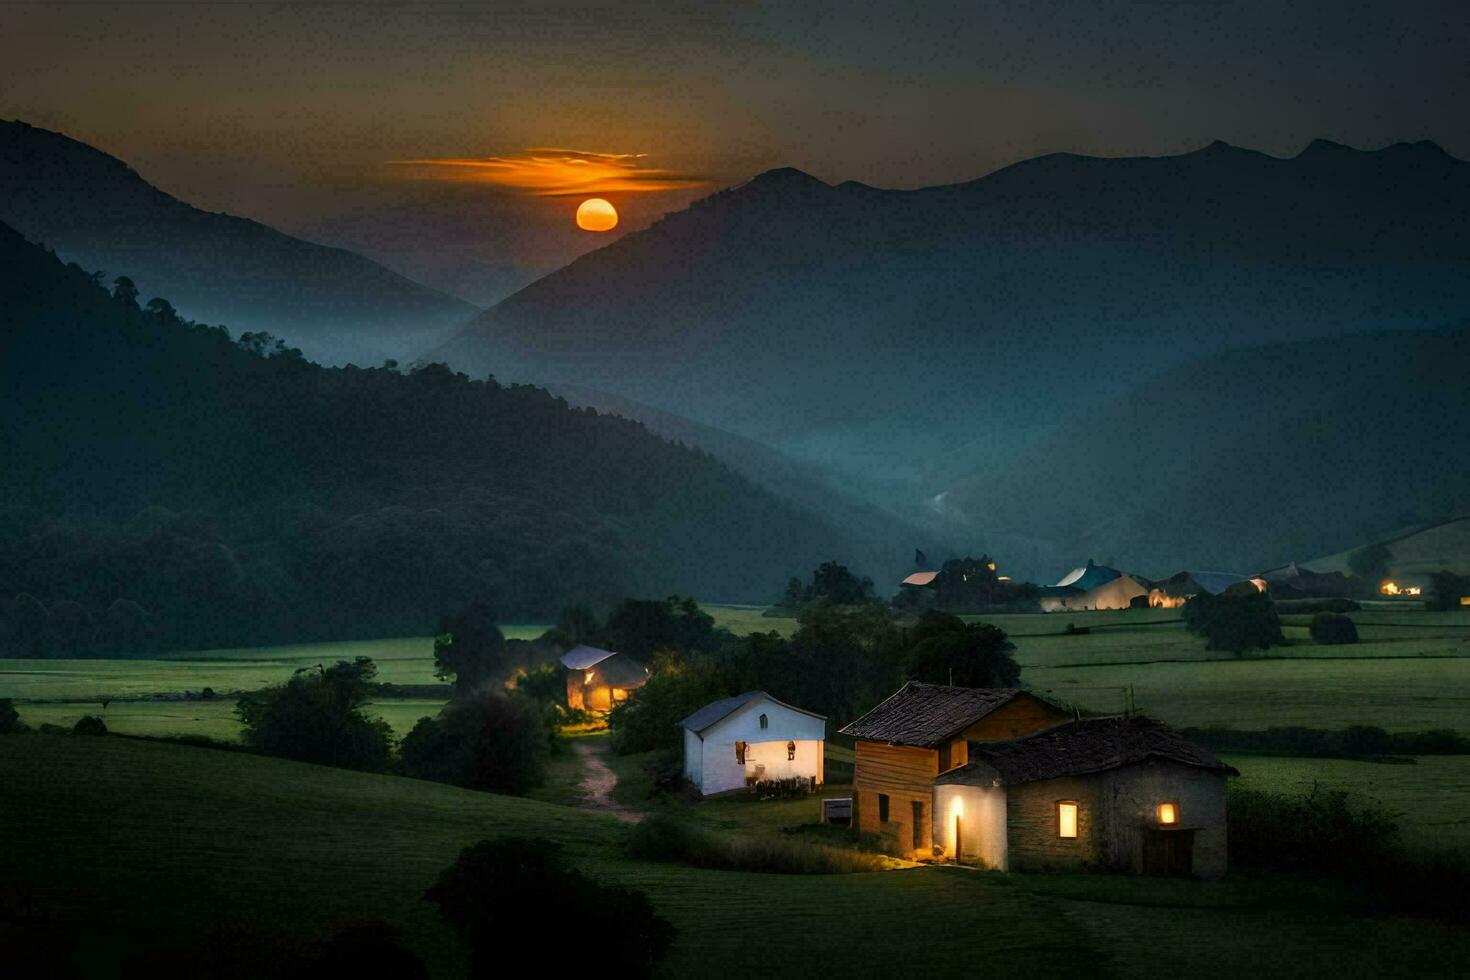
(556, 173)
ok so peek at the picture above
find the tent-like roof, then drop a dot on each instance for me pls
(1087, 577)
(718, 710)
(920, 578)
(1079, 748)
(581, 656)
(927, 714)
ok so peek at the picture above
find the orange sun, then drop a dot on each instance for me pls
(595, 214)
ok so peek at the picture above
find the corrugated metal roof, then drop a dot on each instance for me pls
(581, 656)
(927, 714)
(1079, 748)
(723, 708)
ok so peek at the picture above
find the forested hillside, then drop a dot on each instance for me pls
(165, 485)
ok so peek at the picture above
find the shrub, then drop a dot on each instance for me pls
(9, 717)
(948, 650)
(500, 892)
(318, 717)
(1333, 629)
(89, 725)
(1235, 622)
(661, 837)
(492, 741)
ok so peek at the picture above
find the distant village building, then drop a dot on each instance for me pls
(1108, 793)
(599, 679)
(1179, 588)
(1291, 581)
(919, 732)
(736, 742)
(1092, 586)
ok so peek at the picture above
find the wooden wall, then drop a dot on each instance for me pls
(906, 774)
(1023, 715)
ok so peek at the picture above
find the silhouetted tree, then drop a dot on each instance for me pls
(1234, 621)
(948, 650)
(317, 716)
(638, 627)
(469, 649)
(125, 291)
(1333, 629)
(498, 892)
(9, 717)
(491, 741)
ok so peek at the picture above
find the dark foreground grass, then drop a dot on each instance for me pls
(126, 847)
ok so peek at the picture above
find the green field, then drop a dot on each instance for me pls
(210, 719)
(1430, 800)
(122, 848)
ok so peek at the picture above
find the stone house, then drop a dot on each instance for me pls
(1122, 794)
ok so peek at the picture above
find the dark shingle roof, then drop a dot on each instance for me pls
(927, 714)
(716, 710)
(1079, 748)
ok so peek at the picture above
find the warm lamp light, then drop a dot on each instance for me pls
(1067, 819)
(1168, 813)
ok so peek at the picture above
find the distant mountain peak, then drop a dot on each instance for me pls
(784, 180)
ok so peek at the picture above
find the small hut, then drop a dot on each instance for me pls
(599, 679)
(752, 738)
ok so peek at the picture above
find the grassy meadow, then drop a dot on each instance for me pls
(122, 849)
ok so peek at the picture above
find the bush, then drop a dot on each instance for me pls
(1333, 629)
(1234, 621)
(948, 650)
(500, 892)
(678, 686)
(1321, 834)
(318, 717)
(89, 725)
(9, 717)
(664, 838)
(492, 741)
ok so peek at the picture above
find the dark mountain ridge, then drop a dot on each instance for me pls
(873, 328)
(95, 210)
(239, 499)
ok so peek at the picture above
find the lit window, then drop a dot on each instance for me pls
(765, 722)
(790, 751)
(1168, 813)
(1066, 818)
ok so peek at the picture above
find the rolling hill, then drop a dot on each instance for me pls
(913, 336)
(93, 209)
(1416, 550)
(1246, 459)
(163, 483)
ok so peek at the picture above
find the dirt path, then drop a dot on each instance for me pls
(597, 785)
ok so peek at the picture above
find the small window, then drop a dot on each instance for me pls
(790, 751)
(1067, 818)
(740, 752)
(882, 807)
(765, 722)
(1168, 814)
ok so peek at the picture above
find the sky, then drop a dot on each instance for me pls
(301, 114)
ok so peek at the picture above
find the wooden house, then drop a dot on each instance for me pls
(1112, 793)
(736, 742)
(923, 730)
(599, 679)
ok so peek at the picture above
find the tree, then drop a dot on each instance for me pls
(125, 291)
(491, 741)
(470, 649)
(89, 725)
(947, 650)
(1234, 621)
(638, 627)
(317, 716)
(498, 892)
(677, 686)
(163, 311)
(9, 717)
(1333, 629)
(1371, 562)
(832, 582)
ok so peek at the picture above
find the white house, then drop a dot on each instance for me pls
(734, 742)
